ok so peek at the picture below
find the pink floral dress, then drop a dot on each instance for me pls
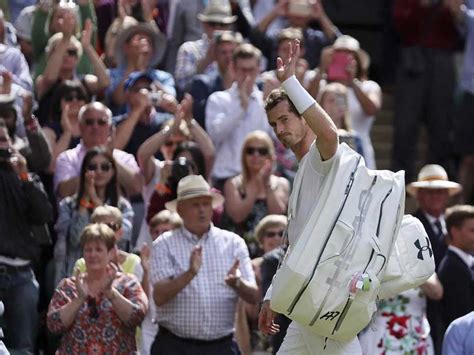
(399, 327)
(97, 329)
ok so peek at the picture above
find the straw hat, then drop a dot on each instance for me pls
(217, 11)
(193, 186)
(158, 41)
(433, 176)
(348, 43)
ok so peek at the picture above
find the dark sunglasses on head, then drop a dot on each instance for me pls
(103, 166)
(114, 226)
(72, 52)
(253, 150)
(74, 96)
(93, 310)
(273, 234)
(90, 121)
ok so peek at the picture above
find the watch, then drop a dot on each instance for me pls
(237, 283)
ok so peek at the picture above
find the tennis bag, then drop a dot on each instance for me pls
(329, 279)
(411, 262)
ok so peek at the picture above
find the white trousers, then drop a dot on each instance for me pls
(301, 341)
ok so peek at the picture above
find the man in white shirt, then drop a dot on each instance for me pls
(233, 113)
(297, 120)
(456, 271)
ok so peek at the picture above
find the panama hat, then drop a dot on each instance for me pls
(217, 11)
(348, 43)
(158, 41)
(433, 176)
(193, 186)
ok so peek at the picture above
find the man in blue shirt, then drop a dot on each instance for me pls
(148, 108)
(459, 339)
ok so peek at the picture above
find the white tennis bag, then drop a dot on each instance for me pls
(411, 262)
(329, 279)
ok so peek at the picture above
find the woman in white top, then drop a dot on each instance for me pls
(345, 62)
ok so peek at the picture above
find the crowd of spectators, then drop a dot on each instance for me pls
(143, 193)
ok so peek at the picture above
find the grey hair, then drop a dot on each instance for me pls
(98, 106)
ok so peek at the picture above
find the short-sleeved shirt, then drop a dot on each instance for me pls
(205, 308)
(142, 131)
(312, 176)
(104, 334)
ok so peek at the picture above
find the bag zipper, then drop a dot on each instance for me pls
(306, 283)
(378, 227)
(316, 316)
(348, 304)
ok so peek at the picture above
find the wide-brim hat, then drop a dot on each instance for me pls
(158, 41)
(433, 176)
(217, 11)
(193, 186)
(349, 43)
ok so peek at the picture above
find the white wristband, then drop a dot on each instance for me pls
(297, 94)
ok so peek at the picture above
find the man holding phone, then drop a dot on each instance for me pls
(299, 13)
(24, 204)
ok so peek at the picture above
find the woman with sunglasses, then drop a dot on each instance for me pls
(181, 135)
(269, 234)
(97, 186)
(64, 52)
(98, 311)
(255, 192)
(61, 127)
(53, 16)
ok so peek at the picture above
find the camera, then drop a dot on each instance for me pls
(5, 154)
(155, 97)
(299, 8)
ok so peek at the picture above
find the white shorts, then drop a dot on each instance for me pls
(301, 341)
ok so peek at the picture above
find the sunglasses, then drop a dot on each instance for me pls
(72, 52)
(274, 234)
(173, 143)
(253, 150)
(93, 310)
(114, 226)
(72, 97)
(217, 24)
(138, 88)
(101, 122)
(105, 167)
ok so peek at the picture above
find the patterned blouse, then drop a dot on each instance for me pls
(400, 327)
(97, 329)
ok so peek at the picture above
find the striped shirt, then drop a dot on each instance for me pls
(205, 308)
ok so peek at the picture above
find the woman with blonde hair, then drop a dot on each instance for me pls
(269, 233)
(97, 311)
(255, 192)
(333, 99)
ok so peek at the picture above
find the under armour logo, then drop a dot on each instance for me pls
(423, 248)
(330, 315)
